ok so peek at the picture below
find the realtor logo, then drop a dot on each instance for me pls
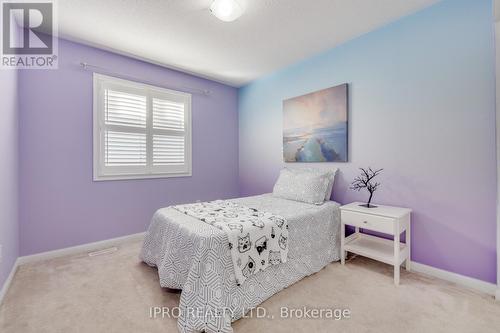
(28, 34)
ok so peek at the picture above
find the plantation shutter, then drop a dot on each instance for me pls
(123, 149)
(124, 112)
(140, 131)
(125, 109)
(168, 140)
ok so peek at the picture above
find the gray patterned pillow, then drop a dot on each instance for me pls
(301, 186)
(329, 172)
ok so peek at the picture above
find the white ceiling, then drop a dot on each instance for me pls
(182, 34)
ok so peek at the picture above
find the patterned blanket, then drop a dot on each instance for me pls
(257, 239)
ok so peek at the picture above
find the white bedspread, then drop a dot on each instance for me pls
(257, 238)
(194, 256)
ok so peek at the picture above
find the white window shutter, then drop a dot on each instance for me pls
(140, 131)
(125, 109)
(122, 149)
(168, 150)
(168, 114)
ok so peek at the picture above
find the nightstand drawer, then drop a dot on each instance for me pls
(371, 222)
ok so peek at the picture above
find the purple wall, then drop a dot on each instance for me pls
(422, 106)
(60, 205)
(9, 237)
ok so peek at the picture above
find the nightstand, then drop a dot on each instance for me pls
(383, 219)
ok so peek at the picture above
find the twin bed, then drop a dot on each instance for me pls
(228, 256)
(195, 256)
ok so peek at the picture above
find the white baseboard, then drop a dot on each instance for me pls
(78, 249)
(462, 280)
(64, 252)
(8, 282)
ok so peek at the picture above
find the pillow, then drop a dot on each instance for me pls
(307, 187)
(330, 174)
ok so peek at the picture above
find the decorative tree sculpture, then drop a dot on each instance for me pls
(365, 180)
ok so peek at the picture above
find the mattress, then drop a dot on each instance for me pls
(194, 256)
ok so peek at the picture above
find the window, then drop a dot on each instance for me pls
(140, 131)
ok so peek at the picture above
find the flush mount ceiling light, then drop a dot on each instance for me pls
(226, 10)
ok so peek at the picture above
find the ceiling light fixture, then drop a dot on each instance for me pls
(226, 10)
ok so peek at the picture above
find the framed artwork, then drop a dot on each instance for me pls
(315, 126)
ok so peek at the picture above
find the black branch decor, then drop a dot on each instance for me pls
(365, 181)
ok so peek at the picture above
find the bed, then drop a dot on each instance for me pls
(193, 256)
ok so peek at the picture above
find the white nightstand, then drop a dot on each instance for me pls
(384, 219)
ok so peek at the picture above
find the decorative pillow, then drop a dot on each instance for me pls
(330, 174)
(301, 186)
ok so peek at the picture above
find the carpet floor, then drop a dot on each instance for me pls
(115, 292)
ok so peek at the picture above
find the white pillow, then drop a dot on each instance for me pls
(307, 187)
(330, 174)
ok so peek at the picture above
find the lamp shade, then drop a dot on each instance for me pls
(226, 10)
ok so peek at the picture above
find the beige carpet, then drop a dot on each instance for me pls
(114, 293)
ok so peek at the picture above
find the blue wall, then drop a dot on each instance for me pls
(422, 106)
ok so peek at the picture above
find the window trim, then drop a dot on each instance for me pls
(99, 173)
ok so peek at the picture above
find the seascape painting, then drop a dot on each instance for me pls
(315, 126)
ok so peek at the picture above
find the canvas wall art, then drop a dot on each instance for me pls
(315, 126)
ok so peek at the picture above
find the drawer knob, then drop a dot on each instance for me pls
(365, 222)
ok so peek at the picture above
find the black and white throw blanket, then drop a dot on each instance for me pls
(257, 239)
